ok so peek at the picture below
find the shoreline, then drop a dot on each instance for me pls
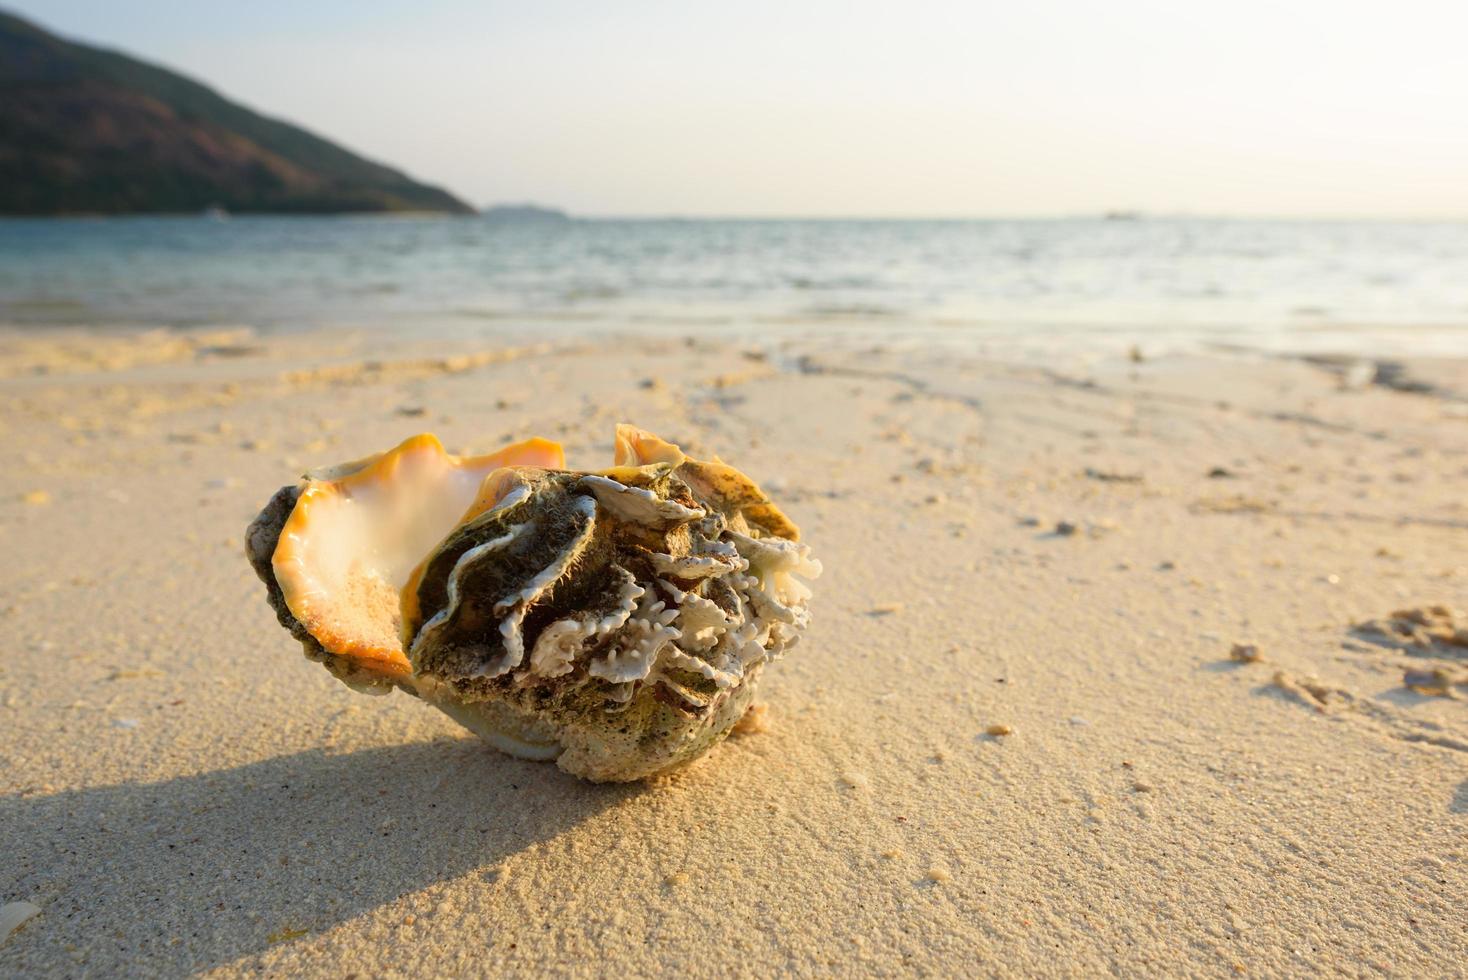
(1068, 550)
(35, 356)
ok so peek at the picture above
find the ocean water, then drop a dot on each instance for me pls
(1275, 284)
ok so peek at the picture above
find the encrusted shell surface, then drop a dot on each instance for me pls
(616, 622)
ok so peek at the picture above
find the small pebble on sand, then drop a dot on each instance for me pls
(885, 609)
(938, 875)
(1245, 653)
(1065, 528)
(1433, 683)
(999, 731)
(14, 915)
(37, 497)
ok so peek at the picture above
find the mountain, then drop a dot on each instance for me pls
(89, 131)
(525, 214)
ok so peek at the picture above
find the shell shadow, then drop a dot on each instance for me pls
(200, 871)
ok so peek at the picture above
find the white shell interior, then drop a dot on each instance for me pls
(344, 566)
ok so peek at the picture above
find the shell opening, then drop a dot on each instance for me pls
(352, 542)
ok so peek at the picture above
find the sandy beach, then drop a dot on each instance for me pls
(1131, 668)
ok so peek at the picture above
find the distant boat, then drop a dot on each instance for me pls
(1122, 216)
(214, 212)
(525, 214)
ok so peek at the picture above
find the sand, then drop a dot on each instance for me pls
(1017, 739)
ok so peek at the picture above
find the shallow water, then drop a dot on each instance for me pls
(1274, 284)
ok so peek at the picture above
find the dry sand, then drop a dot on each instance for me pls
(1016, 741)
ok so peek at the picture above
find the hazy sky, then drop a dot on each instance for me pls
(808, 107)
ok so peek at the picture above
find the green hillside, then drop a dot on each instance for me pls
(88, 131)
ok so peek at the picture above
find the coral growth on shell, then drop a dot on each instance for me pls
(616, 621)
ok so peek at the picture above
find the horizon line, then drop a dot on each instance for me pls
(1118, 216)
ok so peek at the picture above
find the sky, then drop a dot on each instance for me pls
(908, 108)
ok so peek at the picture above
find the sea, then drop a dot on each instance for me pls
(1126, 280)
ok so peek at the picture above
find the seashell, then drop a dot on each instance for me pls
(616, 622)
